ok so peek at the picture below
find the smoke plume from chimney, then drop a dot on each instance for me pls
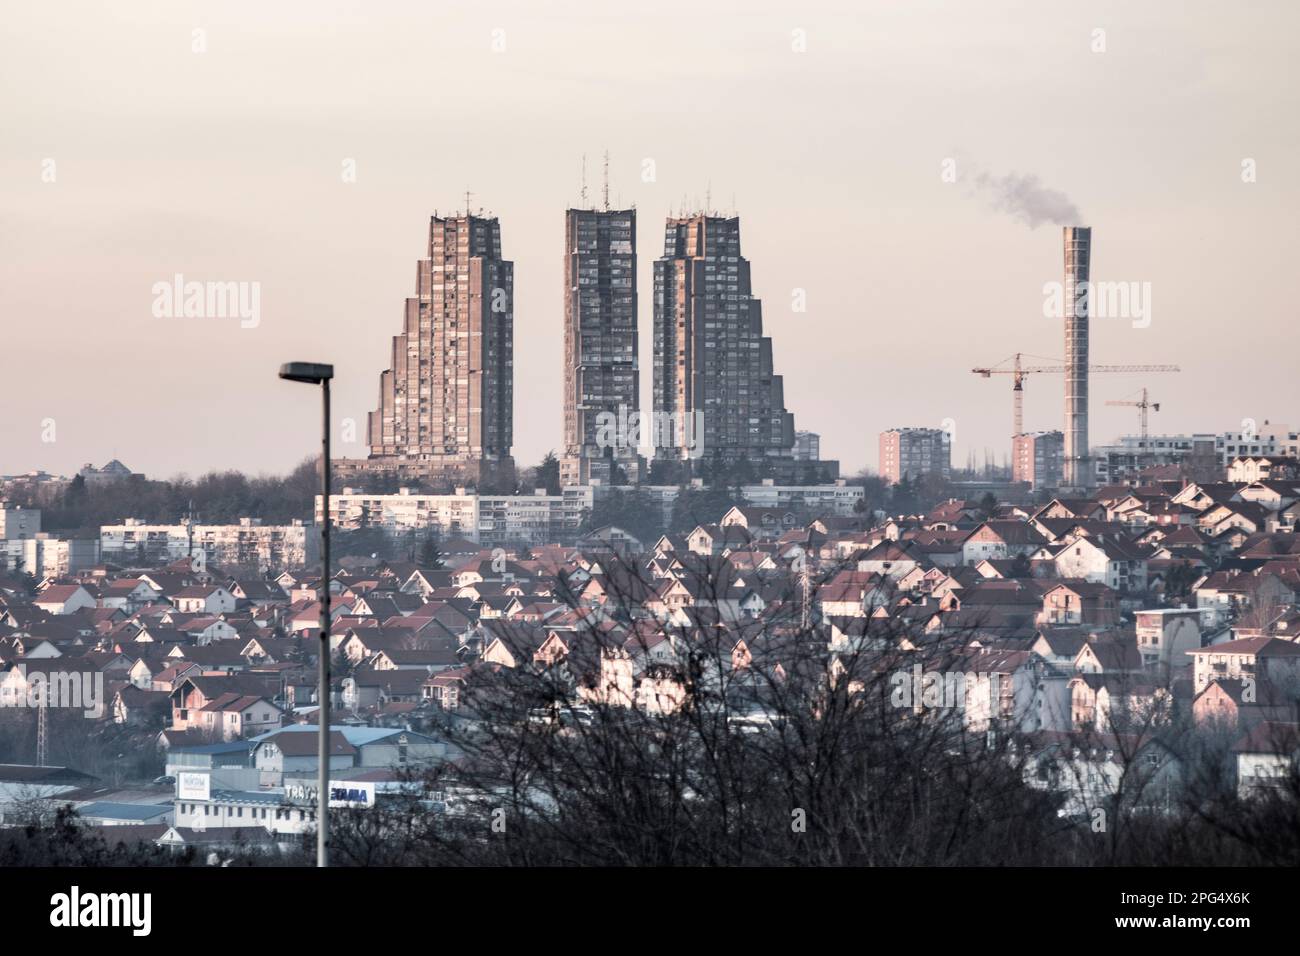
(1027, 200)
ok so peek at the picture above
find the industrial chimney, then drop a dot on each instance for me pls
(1078, 261)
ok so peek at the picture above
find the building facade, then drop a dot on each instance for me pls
(601, 376)
(715, 392)
(17, 522)
(247, 544)
(915, 452)
(1037, 457)
(1125, 459)
(48, 556)
(807, 446)
(483, 519)
(446, 402)
(540, 518)
(1266, 439)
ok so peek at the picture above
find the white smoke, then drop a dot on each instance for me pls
(1026, 199)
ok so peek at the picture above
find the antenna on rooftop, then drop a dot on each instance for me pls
(584, 181)
(606, 180)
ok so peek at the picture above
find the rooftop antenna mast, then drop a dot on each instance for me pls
(606, 197)
(584, 180)
(468, 194)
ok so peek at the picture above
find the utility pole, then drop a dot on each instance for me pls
(318, 373)
(323, 711)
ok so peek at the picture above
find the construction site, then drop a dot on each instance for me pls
(1063, 460)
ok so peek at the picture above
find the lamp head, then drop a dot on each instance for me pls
(313, 373)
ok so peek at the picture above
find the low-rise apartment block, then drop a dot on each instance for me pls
(1038, 458)
(248, 544)
(915, 452)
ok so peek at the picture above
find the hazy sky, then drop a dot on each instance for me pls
(226, 165)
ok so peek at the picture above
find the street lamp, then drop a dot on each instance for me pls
(316, 373)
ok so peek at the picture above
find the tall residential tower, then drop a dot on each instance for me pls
(715, 394)
(446, 401)
(601, 379)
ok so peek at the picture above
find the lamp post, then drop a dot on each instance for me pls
(315, 373)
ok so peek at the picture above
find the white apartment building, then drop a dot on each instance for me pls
(1165, 635)
(837, 498)
(46, 556)
(1130, 452)
(1274, 440)
(540, 518)
(483, 519)
(246, 544)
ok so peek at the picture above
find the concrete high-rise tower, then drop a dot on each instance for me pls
(715, 394)
(446, 403)
(1078, 262)
(601, 378)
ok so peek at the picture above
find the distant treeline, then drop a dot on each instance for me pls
(80, 508)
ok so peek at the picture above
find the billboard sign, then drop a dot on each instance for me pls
(194, 786)
(358, 794)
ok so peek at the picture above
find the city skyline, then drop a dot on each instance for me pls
(939, 273)
(712, 539)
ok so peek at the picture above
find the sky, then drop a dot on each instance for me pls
(879, 155)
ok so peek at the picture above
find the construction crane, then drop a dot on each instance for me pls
(1018, 371)
(1142, 405)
